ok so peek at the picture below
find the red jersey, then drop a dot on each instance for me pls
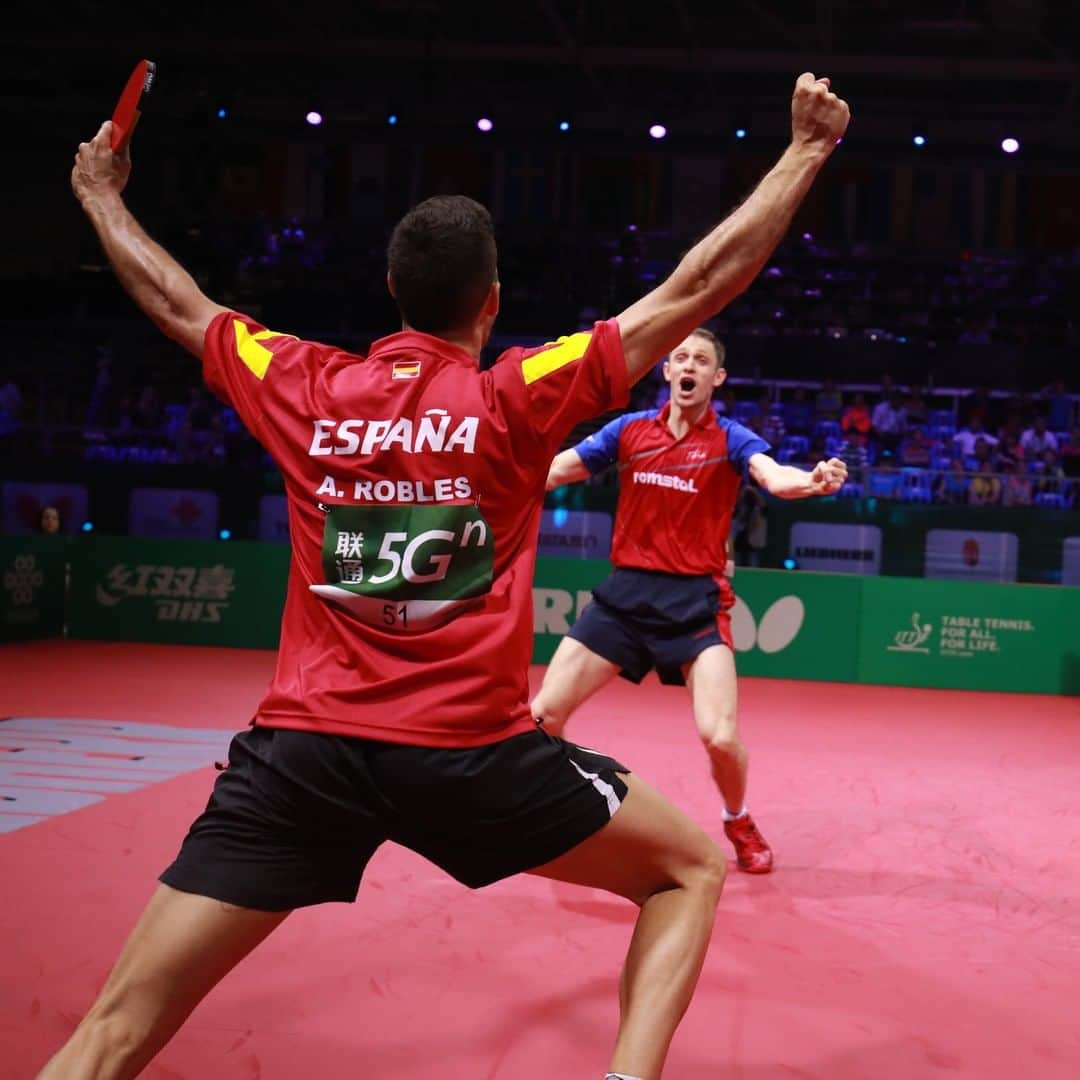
(676, 496)
(415, 484)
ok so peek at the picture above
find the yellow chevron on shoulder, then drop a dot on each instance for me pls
(256, 357)
(564, 351)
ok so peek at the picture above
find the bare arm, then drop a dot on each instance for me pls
(164, 290)
(567, 468)
(788, 482)
(724, 264)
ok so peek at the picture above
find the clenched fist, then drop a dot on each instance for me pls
(818, 117)
(828, 477)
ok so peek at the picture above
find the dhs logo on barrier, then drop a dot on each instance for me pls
(185, 594)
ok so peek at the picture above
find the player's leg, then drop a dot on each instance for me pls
(710, 678)
(573, 676)
(180, 948)
(654, 855)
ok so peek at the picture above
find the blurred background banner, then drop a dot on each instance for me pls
(32, 585)
(174, 512)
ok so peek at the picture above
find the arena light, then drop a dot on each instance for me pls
(919, 140)
(392, 119)
(564, 125)
(222, 112)
(740, 133)
(87, 526)
(790, 564)
(485, 124)
(225, 534)
(1010, 145)
(314, 117)
(657, 131)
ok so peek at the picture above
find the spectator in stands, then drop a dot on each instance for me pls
(1070, 454)
(771, 422)
(975, 332)
(915, 408)
(1038, 439)
(146, 414)
(854, 453)
(952, 486)
(856, 418)
(829, 402)
(978, 405)
(200, 438)
(725, 400)
(750, 525)
(1060, 407)
(1051, 476)
(982, 454)
(798, 412)
(1008, 452)
(915, 452)
(889, 422)
(985, 489)
(49, 522)
(965, 439)
(1017, 488)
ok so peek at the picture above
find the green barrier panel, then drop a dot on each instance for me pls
(190, 592)
(32, 584)
(970, 636)
(797, 626)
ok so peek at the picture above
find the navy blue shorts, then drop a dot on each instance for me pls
(645, 619)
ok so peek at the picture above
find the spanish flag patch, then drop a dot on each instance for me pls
(406, 369)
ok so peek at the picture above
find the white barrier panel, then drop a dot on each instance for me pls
(837, 549)
(173, 513)
(24, 501)
(965, 555)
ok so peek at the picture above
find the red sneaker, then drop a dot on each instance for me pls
(752, 853)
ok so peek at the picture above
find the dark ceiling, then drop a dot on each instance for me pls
(968, 71)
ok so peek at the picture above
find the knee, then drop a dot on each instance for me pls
(713, 872)
(723, 741)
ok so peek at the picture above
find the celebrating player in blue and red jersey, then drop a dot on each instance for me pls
(666, 603)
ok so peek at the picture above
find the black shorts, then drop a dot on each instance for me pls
(644, 619)
(295, 816)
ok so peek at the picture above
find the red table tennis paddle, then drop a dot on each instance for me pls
(129, 108)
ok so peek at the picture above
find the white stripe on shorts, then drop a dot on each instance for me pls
(602, 786)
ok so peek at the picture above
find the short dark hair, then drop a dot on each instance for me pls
(717, 344)
(442, 261)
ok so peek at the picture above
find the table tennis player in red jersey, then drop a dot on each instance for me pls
(666, 602)
(399, 708)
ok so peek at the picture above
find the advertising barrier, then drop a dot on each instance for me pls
(174, 513)
(24, 501)
(962, 635)
(32, 583)
(789, 624)
(184, 592)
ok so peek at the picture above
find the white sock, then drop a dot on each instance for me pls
(620, 1076)
(729, 816)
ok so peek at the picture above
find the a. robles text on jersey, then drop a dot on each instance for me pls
(434, 432)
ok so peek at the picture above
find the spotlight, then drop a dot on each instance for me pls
(790, 564)
(1010, 145)
(485, 125)
(225, 534)
(392, 119)
(222, 112)
(314, 117)
(919, 140)
(560, 516)
(564, 125)
(87, 526)
(657, 131)
(740, 133)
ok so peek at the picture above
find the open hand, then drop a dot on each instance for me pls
(828, 477)
(818, 117)
(97, 169)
